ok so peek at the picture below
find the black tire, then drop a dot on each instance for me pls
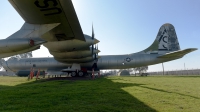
(73, 74)
(80, 74)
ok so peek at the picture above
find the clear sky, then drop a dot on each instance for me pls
(127, 26)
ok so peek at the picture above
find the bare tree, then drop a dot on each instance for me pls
(1, 62)
(140, 69)
(19, 56)
(114, 72)
(120, 70)
(26, 55)
(130, 70)
(135, 70)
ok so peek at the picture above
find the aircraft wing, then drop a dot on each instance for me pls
(177, 54)
(56, 22)
(48, 12)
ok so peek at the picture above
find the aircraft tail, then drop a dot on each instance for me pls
(165, 42)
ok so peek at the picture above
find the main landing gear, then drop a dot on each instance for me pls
(75, 70)
(79, 74)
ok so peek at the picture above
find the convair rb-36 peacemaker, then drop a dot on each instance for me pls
(55, 22)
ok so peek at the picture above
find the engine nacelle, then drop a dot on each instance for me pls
(70, 45)
(74, 54)
(14, 45)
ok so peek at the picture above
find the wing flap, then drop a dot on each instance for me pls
(179, 53)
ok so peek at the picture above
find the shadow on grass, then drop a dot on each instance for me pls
(161, 90)
(63, 95)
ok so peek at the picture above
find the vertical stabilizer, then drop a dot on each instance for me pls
(166, 41)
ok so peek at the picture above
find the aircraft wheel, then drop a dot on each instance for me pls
(80, 74)
(73, 74)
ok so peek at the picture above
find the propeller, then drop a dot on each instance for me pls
(92, 39)
(94, 66)
(94, 47)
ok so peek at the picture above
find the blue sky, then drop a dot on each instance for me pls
(127, 26)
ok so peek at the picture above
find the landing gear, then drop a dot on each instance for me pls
(76, 73)
(73, 74)
(80, 74)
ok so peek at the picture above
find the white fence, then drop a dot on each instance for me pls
(177, 72)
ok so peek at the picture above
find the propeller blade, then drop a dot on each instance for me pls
(92, 49)
(97, 50)
(95, 55)
(92, 39)
(92, 32)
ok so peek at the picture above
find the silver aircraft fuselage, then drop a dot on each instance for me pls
(129, 61)
(104, 62)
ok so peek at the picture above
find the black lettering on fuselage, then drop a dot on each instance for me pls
(45, 7)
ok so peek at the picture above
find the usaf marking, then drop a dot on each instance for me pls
(45, 7)
(128, 59)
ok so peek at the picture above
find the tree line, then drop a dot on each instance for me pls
(136, 70)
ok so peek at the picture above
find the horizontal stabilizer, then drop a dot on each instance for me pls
(179, 53)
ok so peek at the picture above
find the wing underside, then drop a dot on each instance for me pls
(66, 41)
(51, 11)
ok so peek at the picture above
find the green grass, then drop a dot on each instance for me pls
(12, 81)
(139, 94)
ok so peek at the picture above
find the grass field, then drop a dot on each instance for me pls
(139, 94)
